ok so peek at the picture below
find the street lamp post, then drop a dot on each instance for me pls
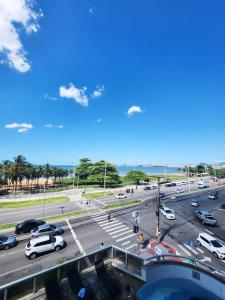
(43, 207)
(157, 213)
(189, 184)
(78, 178)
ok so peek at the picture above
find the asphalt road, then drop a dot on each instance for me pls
(17, 215)
(92, 230)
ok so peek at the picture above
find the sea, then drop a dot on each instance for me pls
(150, 170)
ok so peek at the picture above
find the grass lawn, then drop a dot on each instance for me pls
(17, 204)
(170, 177)
(98, 195)
(131, 202)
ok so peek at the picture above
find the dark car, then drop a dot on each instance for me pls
(169, 184)
(7, 242)
(162, 195)
(27, 226)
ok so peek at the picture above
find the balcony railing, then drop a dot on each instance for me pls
(117, 257)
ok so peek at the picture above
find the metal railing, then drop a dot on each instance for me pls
(122, 259)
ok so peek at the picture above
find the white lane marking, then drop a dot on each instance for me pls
(200, 250)
(121, 226)
(109, 223)
(195, 252)
(131, 246)
(182, 248)
(18, 269)
(113, 225)
(126, 237)
(119, 230)
(128, 231)
(75, 237)
(125, 243)
(208, 231)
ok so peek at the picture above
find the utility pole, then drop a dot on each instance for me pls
(157, 213)
(43, 208)
(104, 180)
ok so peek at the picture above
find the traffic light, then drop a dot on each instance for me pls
(135, 229)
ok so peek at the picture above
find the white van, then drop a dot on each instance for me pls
(203, 184)
(211, 244)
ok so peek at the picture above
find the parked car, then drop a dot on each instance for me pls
(7, 242)
(167, 213)
(162, 195)
(211, 244)
(222, 206)
(151, 187)
(169, 184)
(27, 226)
(184, 182)
(121, 196)
(205, 217)
(43, 244)
(214, 196)
(179, 190)
(194, 202)
(48, 229)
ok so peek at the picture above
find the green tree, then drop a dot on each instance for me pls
(84, 169)
(135, 177)
(103, 171)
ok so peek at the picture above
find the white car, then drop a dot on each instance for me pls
(179, 190)
(121, 196)
(194, 202)
(211, 244)
(43, 244)
(168, 213)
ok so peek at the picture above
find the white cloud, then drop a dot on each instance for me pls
(48, 125)
(21, 130)
(134, 109)
(13, 13)
(99, 120)
(91, 11)
(22, 127)
(72, 92)
(98, 92)
(46, 96)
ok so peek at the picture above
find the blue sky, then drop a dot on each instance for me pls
(70, 75)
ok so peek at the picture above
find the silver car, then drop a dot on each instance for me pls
(47, 229)
(205, 217)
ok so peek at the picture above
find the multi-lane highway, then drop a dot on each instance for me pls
(90, 231)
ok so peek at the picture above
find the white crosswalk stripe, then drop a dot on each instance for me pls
(128, 231)
(126, 237)
(195, 252)
(182, 248)
(130, 247)
(119, 230)
(109, 223)
(105, 221)
(200, 250)
(126, 243)
(113, 225)
(116, 229)
(121, 226)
